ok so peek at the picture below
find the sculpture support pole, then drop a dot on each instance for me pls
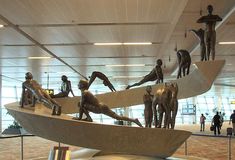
(185, 148)
(229, 148)
(22, 147)
(1, 105)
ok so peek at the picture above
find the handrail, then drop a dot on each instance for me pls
(207, 135)
(15, 136)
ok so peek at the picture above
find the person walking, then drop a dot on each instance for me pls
(232, 118)
(216, 121)
(202, 122)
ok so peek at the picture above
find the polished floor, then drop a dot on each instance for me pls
(204, 147)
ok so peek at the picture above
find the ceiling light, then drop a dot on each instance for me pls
(39, 57)
(125, 43)
(1, 25)
(137, 43)
(107, 44)
(226, 42)
(125, 77)
(125, 65)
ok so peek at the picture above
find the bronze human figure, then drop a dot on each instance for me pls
(166, 100)
(39, 94)
(184, 61)
(148, 112)
(200, 35)
(173, 103)
(89, 103)
(210, 34)
(155, 74)
(162, 98)
(65, 88)
(101, 76)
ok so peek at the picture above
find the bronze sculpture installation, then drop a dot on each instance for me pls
(166, 100)
(162, 98)
(173, 103)
(65, 89)
(155, 74)
(184, 61)
(89, 103)
(210, 34)
(101, 76)
(39, 94)
(200, 35)
(148, 112)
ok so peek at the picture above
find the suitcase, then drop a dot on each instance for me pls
(212, 127)
(229, 131)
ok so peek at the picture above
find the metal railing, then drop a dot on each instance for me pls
(21, 142)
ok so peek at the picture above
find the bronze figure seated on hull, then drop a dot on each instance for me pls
(39, 94)
(65, 89)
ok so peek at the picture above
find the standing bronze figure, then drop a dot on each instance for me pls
(173, 87)
(184, 61)
(39, 94)
(103, 77)
(66, 88)
(148, 112)
(89, 103)
(210, 34)
(200, 35)
(165, 98)
(155, 74)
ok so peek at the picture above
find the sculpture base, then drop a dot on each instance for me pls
(92, 154)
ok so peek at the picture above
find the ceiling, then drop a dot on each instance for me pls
(66, 30)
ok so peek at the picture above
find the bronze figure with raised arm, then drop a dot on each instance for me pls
(103, 77)
(89, 103)
(155, 74)
(210, 34)
(66, 88)
(200, 35)
(39, 94)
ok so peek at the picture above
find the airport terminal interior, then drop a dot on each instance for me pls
(123, 39)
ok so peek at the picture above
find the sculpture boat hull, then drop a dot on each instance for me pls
(154, 142)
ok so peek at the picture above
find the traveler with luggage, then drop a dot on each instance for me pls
(232, 118)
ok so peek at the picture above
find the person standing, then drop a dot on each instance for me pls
(232, 118)
(216, 121)
(202, 122)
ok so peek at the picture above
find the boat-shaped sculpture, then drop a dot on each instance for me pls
(197, 82)
(108, 138)
(154, 142)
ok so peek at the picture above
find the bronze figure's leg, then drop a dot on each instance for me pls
(154, 108)
(105, 110)
(160, 111)
(213, 41)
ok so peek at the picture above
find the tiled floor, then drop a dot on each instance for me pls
(214, 148)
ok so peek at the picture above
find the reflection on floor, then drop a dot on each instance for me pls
(214, 148)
